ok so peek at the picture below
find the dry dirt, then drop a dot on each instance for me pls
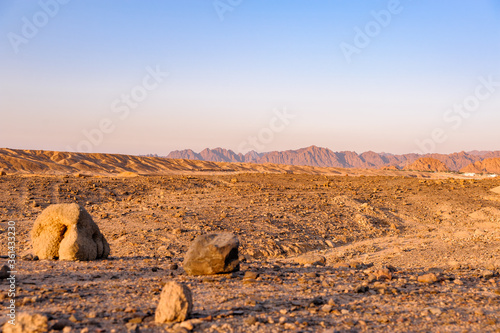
(411, 226)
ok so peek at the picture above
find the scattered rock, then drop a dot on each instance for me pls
(187, 325)
(67, 232)
(361, 289)
(487, 274)
(427, 278)
(92, 314)
(251, 320)
(29, 257)
(61, 324)
(326, 308)
(212, 254)
(251, 275)
(3, 173)
(383, 274)
(28, 323)
(454, 264)
(310, 259)
(435, 311)
(176, 303)
(4, 272)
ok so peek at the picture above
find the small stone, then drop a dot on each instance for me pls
(383, 274)
(250, 275)
(29, 257)
(342, 265)
(61, 324)
(311, 275)
(187, 325)
(4, 272)
(251, 320)
(479, 312)
(310, 259)
(74, 319)
(176, 303)
(270, 320)
(454, 264)
(427, 278)
(282, 320)
(458, 282)
(487, 274)
(136, 320)
(435, 311)
(173, 266)
(326, 308)
(344, 311)
(92, 314)
(361, 289)
(131, 327)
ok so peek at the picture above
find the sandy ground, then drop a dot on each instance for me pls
(410, 226)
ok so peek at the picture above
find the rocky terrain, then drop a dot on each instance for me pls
(491, 165)
(428, 164)
(324, 157)
(362, 251)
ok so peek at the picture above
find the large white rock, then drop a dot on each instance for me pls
(67, 232)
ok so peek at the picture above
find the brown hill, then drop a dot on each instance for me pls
(428, 164)
(15, 161)
(35, 162)
(324, 157)
(489, 165)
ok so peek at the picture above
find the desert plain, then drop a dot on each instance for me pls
(330, 251)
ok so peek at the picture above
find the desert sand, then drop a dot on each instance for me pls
(322, 249)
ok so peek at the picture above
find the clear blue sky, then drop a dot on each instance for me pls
(64, 68)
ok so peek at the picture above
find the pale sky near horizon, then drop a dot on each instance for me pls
(387, 76)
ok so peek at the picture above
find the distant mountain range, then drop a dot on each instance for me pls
(324, 157)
